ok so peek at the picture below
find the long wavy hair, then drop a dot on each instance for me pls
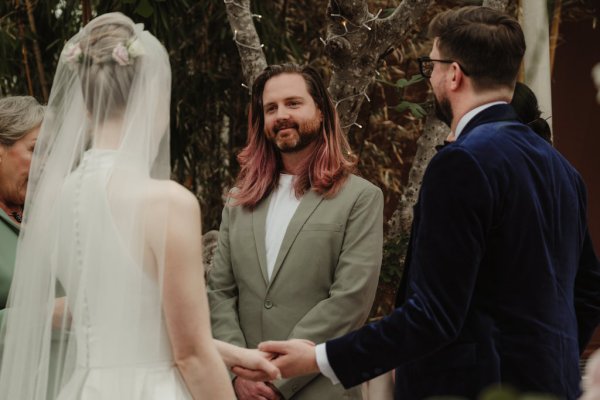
(326, 168)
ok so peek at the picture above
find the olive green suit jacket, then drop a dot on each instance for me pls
(323, 283)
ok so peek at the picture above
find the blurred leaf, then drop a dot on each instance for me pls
(402, 83)
(532, 396)
(403, 106)
(417, 110)
(144, 8)
(499, 393)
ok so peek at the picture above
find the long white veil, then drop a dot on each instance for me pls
(94, 225)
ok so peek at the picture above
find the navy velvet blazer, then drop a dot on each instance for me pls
(501, 284)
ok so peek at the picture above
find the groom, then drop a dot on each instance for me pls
(300, 241)
(502, 284)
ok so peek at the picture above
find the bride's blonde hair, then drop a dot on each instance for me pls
(105, 82)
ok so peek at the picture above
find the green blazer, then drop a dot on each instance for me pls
(9, 234)
(323, 282)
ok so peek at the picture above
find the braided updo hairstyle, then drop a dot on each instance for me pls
(106, 83)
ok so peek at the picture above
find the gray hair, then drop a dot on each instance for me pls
(18, 116)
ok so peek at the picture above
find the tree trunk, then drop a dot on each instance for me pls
(356, 41)
(37, 52)
(554, 32)
(537, 56)
(86, 11)
(433, 134)
(246, 38)
(24, 52)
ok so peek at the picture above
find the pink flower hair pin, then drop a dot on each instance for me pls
(124, 54)
(72, 54)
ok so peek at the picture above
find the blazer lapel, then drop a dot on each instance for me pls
(259, 219)
(307, 205)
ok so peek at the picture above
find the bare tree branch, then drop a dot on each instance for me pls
(253, 58)
(356, 41)
(497, 4)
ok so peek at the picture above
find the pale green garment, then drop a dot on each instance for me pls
(9, 233)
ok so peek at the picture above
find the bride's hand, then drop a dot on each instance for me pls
(61, 316)
(255, 365)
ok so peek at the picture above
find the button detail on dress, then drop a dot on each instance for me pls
(268, 303)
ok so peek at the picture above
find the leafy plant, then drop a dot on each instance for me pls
(416, 109)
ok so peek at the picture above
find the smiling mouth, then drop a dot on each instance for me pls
(285, 130)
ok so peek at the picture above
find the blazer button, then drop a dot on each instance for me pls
(268, 303)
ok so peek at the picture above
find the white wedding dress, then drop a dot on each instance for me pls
(121, 349)
(96, 223)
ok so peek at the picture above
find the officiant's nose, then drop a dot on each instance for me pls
(282, 113)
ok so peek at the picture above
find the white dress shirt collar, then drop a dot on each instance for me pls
(469, 116)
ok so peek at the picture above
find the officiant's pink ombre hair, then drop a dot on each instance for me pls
(324, 171)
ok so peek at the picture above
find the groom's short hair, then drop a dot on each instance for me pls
(488, 43)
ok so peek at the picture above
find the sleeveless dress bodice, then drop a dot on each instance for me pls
(122, 349)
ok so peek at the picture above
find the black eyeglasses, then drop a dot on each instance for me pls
(426, 66)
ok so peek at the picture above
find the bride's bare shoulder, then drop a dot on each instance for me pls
(172, 194)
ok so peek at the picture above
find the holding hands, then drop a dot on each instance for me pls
(254, 370)
(251, 364)
(272, 360)
(293, 357)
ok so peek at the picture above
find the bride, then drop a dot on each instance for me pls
(104, 223)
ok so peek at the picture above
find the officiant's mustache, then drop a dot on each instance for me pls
(285, 124)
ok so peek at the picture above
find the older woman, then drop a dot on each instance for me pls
(20, 120)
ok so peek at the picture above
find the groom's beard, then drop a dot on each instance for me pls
(443, 110)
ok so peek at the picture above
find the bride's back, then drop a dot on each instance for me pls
(114, 284)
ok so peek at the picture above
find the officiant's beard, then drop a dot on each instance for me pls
(443, 110)
(300, 137)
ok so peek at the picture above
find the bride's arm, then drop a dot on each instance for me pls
(185, 303)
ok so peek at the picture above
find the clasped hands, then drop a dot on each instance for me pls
(286, 359)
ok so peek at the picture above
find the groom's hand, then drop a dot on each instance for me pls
(296, 356)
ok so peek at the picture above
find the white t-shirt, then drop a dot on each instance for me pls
(282, 207)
